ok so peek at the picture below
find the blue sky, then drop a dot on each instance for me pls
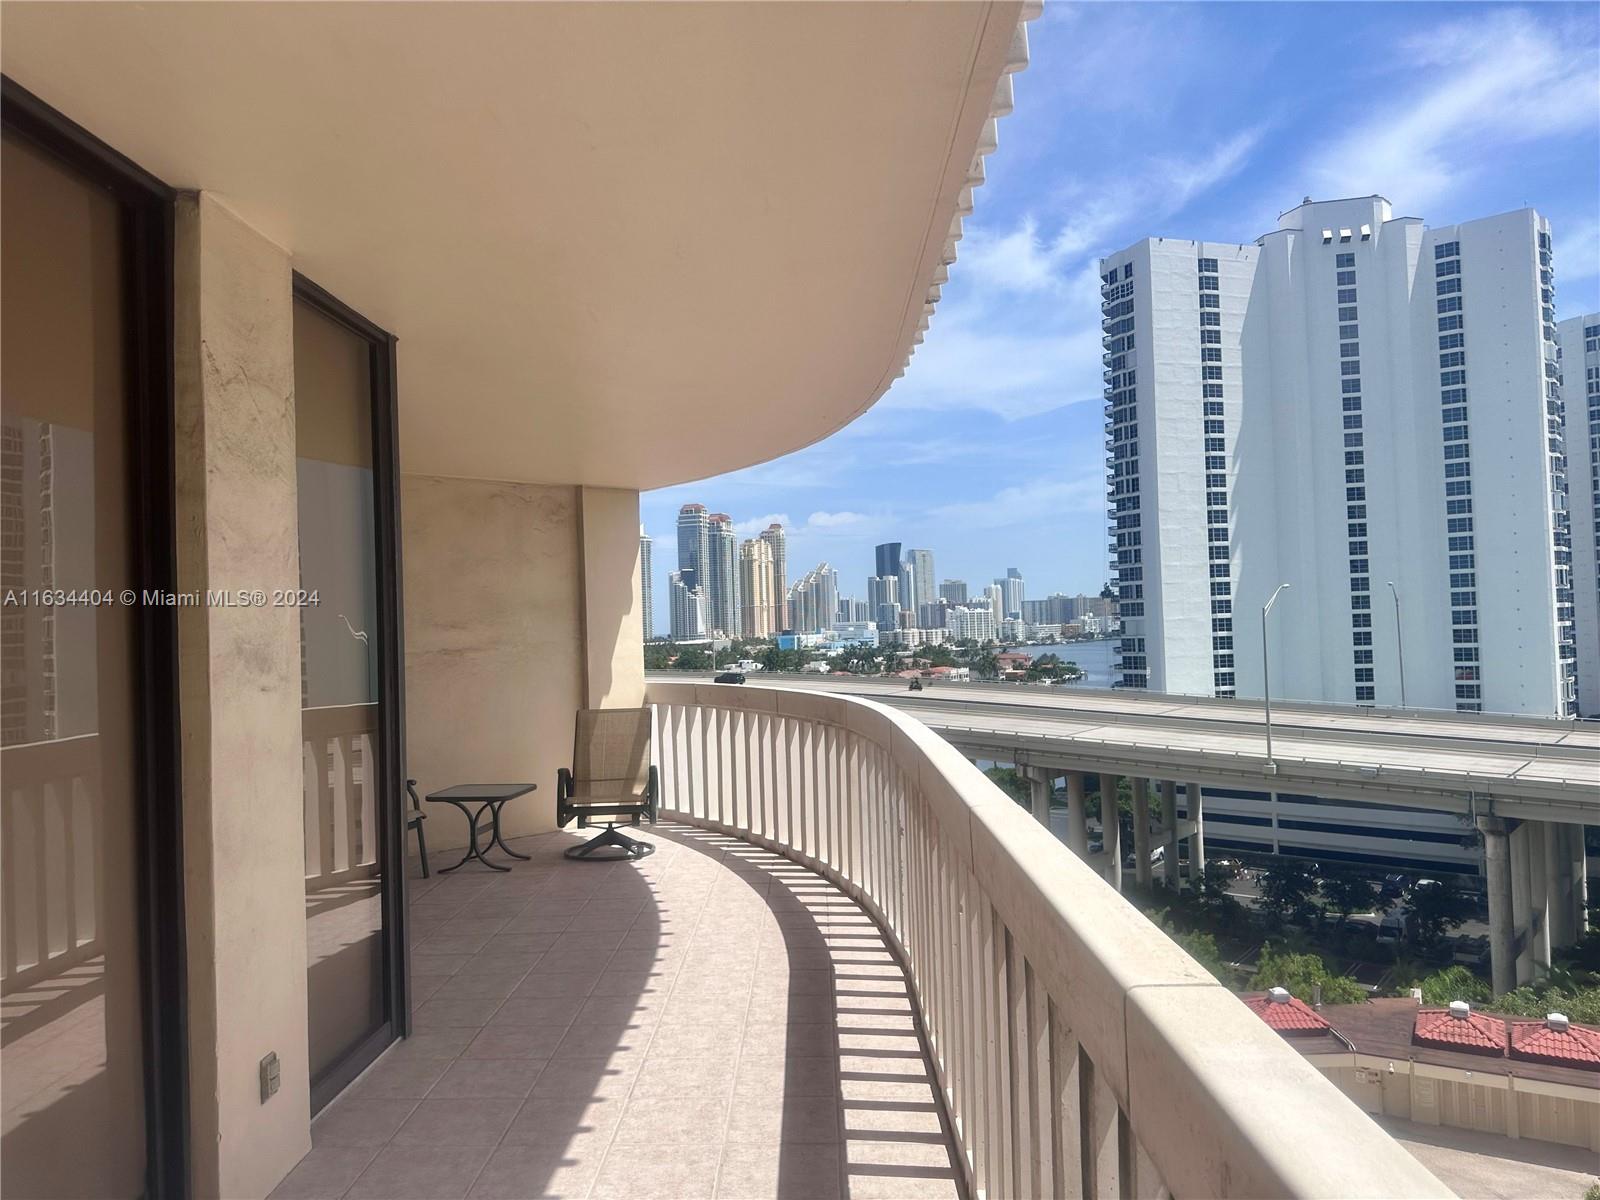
(1192, 120)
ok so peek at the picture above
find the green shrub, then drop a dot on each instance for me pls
(1299, 973)
(1454, 983)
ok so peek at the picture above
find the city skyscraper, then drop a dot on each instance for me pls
(814, 600)
(693, 532)
(722, 584)
(994, 595)
(887, 560)
(778, 541)
(883, 600)
(925, 589)
(1011, 592)
(1580, 389)
(647, 584)
(1391, 416)
(686, 609)
(953, 590)
(757, 584)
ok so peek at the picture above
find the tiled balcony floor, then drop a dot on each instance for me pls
(711, 1021)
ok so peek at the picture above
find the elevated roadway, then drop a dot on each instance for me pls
(1480, 765)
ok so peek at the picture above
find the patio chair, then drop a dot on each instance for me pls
(414, 819)
(611, 781)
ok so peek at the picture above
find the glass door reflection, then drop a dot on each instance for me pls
(347, 996)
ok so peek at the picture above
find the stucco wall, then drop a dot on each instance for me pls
(240, 694)
(613, 623)
(494, 642)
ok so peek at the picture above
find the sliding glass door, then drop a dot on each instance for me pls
(91, 1060)
(349, 650)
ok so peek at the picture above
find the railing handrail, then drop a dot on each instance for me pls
(1216, 1100)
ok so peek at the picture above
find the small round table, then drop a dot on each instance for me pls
(490, 798)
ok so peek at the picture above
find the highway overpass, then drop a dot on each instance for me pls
(1526, 784)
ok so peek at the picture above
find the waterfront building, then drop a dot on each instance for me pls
(1351, 402)
(722, 583)
(1580, 392)
(757, 586)
(778, 541)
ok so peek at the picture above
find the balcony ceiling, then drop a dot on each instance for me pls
(621, 245)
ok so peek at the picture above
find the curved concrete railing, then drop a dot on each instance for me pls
(1079, 1050)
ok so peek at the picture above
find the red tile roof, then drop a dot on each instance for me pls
(1476, 1033)
(1288, 1018)
(1576, 1046)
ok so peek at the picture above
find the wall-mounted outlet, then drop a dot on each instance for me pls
(269, 1076)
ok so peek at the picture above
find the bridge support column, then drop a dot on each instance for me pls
(1111, 830)
(1541, 888)
(1497, 878)
(1197, 839)
(1558, 863)
(1580, 882)
(1169, 832)
(1040, 785)
(1522, 899)
(1141, 832)
(1077, 819)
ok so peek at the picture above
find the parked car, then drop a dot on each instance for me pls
(730, 677)
(1393, 885)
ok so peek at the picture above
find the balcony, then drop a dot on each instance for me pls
(716, 1019)
(854, 968)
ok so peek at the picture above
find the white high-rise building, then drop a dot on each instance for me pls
(1352, 401)
(814, 600)
(757, 586)
(1011, 593)
(775, 537)
(647, 584)
(686, 609)
(996, 597)
(1580, 392)
(721, 587)
(924, 584)
(978, 624)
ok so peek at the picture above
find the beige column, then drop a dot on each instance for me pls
(1077, 827)
(1040, 786)
(239, 691)
(1141, 832)
(613, 629)
(1111, 830)
(1522, 901)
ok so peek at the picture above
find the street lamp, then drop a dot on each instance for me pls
(1266, 675)
(1399, 643)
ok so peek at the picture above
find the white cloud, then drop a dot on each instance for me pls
(757, 525)
(1492, 81)
(833, 520)
(1128, 206)
(1031, 503)
(1577, 251)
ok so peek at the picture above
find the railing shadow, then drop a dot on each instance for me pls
(879, 1119)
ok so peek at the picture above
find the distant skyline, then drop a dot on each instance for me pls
(1138, 120)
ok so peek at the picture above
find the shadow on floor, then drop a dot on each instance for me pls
(713, 1020)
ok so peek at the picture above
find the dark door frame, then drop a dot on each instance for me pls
(391, 691)
(146, 205)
